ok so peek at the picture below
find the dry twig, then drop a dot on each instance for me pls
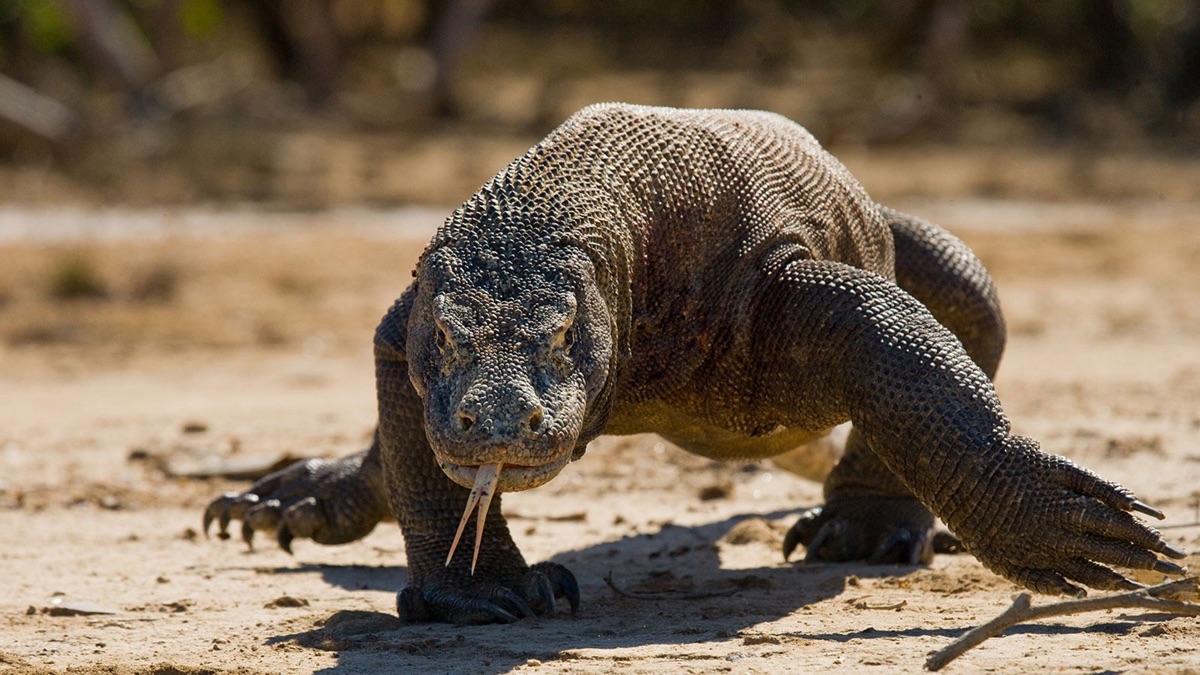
(667, 595)
(1168, 598)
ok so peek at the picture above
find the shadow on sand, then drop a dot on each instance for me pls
(673, 558)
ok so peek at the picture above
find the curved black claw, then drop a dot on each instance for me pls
(945, 542)
(328, 501)
(227, 507)
(562, 584)
(446, 597)
(803, 531)
(876, 530)
(284, 537)
(1142, 507)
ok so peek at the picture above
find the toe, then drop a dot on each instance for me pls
(1096, 576)
(904, 547)
(486, 611)
(562, 582)
(1123, 554)
(540, 593)
(454, 607)
(837, 541)
(284, 537)
(508, 599)
(305, 518)
(1046, 581)
(945, 542)
(228, 507)
(264, 516)
(411, 606)
(803, 531)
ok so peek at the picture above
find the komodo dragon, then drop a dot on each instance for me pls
(717, 278)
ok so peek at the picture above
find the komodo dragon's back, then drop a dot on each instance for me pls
(714, 182)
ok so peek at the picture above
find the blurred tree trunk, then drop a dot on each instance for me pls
(935, 37)
(1182, 82)
(303, 39)
(166, 32)
(1111, 49)
(455, 28)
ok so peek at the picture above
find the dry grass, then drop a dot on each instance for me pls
(73, 276)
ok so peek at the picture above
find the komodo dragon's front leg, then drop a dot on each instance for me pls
(331, 501)
(868, 512)
(932, 417)
(338, 501)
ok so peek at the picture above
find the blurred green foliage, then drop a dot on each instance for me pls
(201, 18)
(74, 276)
(43, 23)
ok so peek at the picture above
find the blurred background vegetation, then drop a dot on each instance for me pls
(316, 102)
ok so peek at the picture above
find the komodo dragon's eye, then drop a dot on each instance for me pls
(443, 340)
(565, 339)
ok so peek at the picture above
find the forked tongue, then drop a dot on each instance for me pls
(481, 494)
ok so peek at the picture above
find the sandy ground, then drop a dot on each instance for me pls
(194, 342)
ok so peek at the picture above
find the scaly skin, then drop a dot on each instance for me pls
(869, 513)
(718, 278)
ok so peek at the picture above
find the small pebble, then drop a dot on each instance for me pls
(718, 491)
(286, 601)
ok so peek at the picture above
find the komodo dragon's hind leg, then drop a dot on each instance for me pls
(868, 513)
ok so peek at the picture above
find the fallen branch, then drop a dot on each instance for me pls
(667, 595)
(1168, 598)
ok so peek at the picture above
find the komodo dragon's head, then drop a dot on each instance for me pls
(510, 342)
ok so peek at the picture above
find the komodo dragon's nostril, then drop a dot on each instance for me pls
(465, 421)
(535, 419)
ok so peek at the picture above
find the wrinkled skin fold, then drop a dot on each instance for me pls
(717, 278)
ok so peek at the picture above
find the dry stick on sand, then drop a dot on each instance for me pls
(667, 595)
(1167, 598)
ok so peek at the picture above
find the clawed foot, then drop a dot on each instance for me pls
(450, 596)
(328, 501)
(1068, 524)
(874, 529)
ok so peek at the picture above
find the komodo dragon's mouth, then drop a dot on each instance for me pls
(485, 481)
(514, 478)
